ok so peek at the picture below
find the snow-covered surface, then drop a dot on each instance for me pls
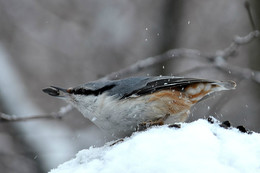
(195, 147)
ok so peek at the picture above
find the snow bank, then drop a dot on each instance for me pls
(195, 147)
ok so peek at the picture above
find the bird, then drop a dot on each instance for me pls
(122, 107)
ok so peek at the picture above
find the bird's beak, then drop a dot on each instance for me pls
(56, 91)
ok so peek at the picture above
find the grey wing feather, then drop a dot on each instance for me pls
(153, 84)
(128, 86)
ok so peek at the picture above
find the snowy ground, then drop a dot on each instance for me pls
(196, 147)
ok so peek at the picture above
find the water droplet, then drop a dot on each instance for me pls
(188, 22)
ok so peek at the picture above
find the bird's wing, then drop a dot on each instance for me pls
(154, 84)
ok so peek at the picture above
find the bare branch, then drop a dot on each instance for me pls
(53, 115)
(151, 61)
(245, 73)
(237, 41)
(195, 69)
(248, 38)
(187, 53)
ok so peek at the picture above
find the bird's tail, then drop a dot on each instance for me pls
(200, 91)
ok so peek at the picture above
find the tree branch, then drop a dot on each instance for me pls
(243, 72)
(221, 55)
(54, 115)
(151, 61)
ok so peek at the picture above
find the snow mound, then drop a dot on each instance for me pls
(195, 147)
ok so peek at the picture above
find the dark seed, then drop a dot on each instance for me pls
(225, 124)
(175, 126)
(242, 129)
(210, 120)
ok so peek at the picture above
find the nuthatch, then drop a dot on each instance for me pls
(121, 107)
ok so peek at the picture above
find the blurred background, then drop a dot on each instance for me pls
(66, 43)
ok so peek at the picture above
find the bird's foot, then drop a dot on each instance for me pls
(158, 122)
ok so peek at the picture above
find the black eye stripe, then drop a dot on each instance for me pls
(82, 91)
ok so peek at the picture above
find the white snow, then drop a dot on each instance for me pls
(195, 147)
